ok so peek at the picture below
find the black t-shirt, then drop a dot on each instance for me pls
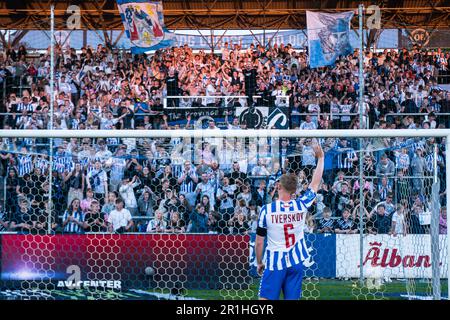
(3, 218)
(23, 217)
(38, 179)
(41, 197)
(76, 181)
(26, 186)
(327, 195)
(173, 184)
(345, 225)
(410, 106)
(172, 85)
(235, 81)
(369, 170)
(342, 200)
(132, 169)
(175, 226)
(3, 163)
(445, 106)
(147, 180)
(387, 106)
(265, 97)
(324, 107)
(240, 228)
(323, 223)
(237, 175)
(381, 223)
(90, 218)
(127, 120)
(171, 204)
(250, 80)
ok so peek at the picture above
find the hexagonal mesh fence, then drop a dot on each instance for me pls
(176, 217)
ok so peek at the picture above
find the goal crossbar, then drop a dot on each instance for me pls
(217, 133)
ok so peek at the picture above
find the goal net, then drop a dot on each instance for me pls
(172, 214)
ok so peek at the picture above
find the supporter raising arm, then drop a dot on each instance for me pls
(317, 176)
(108, 121)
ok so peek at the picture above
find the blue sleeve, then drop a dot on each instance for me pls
(262, 222)
(308, 198)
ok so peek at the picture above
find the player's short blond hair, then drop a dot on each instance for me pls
(289, 182)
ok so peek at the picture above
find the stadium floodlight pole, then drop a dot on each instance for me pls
(447, 195)
(361, 148)
(52, 99)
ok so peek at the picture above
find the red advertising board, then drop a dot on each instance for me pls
(194, 261)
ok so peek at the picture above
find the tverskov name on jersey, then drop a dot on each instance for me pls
(286, 218)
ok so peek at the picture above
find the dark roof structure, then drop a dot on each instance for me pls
(223, 14)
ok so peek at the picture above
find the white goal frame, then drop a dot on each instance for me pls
(252, 133)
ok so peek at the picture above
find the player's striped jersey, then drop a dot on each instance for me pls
(284, 222)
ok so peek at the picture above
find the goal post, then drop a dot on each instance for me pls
(189, 256)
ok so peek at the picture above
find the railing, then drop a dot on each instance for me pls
(16, 84)
(443, 77)
(442, 118)
(221, 101)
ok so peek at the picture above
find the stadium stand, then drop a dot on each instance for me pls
(108, 89)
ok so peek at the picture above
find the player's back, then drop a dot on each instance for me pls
(285, 222)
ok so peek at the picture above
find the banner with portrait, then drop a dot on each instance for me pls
(143, 21)
(328, 37)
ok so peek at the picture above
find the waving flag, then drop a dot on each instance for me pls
(143, 21)
(328, 37)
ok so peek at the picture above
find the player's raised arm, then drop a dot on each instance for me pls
(261, 233)
(317, 176)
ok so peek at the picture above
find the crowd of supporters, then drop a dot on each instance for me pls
(218, 185)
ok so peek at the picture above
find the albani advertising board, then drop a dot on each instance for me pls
(387, 256)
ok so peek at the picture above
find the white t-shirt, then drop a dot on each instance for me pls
(107, 124)
(119, 218)
(100, 180)
(425, 218)
(399, 220)
(117, 168)
(346, 108)
(210, 91)
(308, 126)
(127, 194)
